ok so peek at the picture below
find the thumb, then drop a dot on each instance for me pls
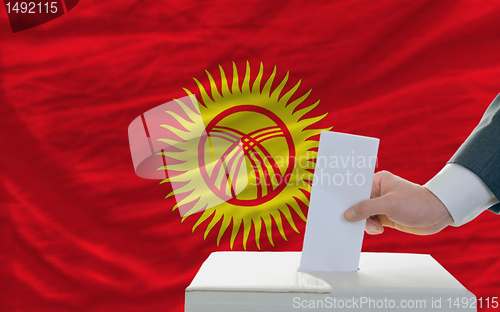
(367, 208)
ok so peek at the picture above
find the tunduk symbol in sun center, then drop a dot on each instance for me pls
(265, 176)
(248, 160)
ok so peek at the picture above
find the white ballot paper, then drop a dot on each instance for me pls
(343, 176)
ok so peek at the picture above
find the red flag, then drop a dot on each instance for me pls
(81, 231)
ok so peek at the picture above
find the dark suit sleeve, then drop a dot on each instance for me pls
(480, 153)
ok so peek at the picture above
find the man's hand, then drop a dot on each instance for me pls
(402, 205)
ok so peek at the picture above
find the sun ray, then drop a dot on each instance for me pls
(295, 206)
(286, 97)
(225, 86)
(235, 230)
(223, 227)
(245, 88)
(192, 114)
(301, 99)
(288, 216)
(247, 225)
(198, 206)
(213, 88)
(279, 223)
(206, 214)
(236, 81)
(266, 91)
(256, 84)
(313, 120)
(257, 225)
(301, 112)
(276, 93)
(204, 95)
(170, 194)
(187, 200)
(301, 197)
(269, 229)
(218, 215)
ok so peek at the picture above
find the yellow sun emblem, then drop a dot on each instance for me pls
(249, 162)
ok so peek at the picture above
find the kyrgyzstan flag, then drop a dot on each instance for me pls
(86, 225)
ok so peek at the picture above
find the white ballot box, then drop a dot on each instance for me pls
(271, 282)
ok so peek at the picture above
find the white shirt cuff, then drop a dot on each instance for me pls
(462, 192)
